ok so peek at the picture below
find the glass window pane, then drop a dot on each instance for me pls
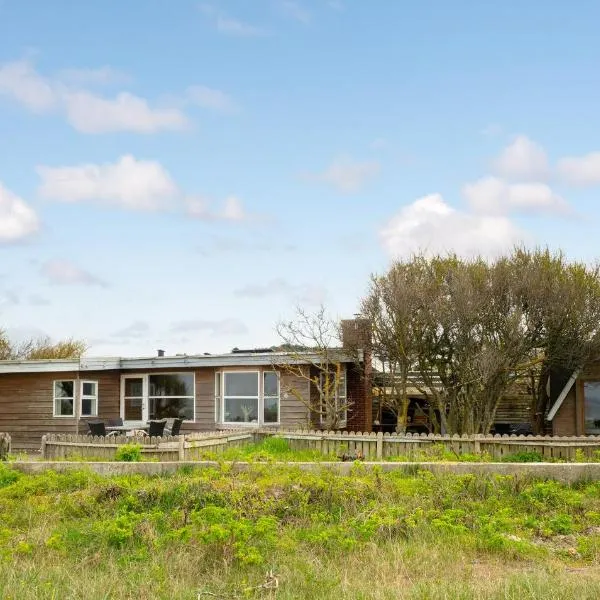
(63, 389)
(88, 388)
(591, 391)
(271, 387)
(64, 407)
(171, 408)
(241, 410)
(134, 387)
(88, 407)
(133, 409)
(271, 410)
(174, 384)
(241, 384)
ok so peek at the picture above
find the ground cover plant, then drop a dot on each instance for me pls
(278, 532)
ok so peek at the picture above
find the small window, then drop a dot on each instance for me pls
(270, 397)
(89, 398)
(64, 398)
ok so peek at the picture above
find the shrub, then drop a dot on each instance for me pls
(129, 453)
(523, 457)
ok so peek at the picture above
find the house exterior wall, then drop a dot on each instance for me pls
(565, 421)
(26, 402)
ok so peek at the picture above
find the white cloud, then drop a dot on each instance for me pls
(348, 176)
(129, 183)
(294, 10)
(302, 293)
(64, 272)
(89, 113)
(580, 170)
(215, 328)
(233, 210)
(493, 196)
(17, 219)
(101, 76)
(20, 81)
(432, 226)
(210, 98)
(522, 160)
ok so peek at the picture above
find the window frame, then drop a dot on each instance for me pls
(585, 405)
(83, 397)
(55, 398)
(145, 397)
(220, 398)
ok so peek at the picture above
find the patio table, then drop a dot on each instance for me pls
(126, 429)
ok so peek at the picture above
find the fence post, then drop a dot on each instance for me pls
(181, 447)
(379, 445)
(44, 446)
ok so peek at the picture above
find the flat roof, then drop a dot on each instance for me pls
(233, 359)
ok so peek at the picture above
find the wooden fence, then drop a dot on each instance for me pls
(371, 446)
(379, 446)
(166, 448)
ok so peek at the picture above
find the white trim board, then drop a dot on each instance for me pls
(562, 395)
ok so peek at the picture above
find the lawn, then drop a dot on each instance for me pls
(277, 532)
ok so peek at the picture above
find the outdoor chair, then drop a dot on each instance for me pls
(156, 428)
(98, 429)
(118, 422)
(175, 426)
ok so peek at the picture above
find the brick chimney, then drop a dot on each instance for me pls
(356, 337)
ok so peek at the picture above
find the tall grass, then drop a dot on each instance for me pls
(278, 532)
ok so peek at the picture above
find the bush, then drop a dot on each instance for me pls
(524, 457)
(129, 453)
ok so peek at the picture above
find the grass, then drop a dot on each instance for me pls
(212, 533)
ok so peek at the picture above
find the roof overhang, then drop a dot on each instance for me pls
(236, 359)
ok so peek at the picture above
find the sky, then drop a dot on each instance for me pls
(182, 175)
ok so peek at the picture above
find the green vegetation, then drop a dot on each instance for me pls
(212, 533)
(129, 453)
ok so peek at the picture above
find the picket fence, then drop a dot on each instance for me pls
(370, 446)
(382, 446)
(166, 448)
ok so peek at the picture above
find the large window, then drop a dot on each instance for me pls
(591, 392)
(158, 396)
(65, 398)
(247, 397)
(171, 395)
(240, 397)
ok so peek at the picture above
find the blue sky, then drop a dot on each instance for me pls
(180, 175)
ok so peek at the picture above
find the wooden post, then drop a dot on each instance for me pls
(44, 446)
(379, 445)
(181, 448)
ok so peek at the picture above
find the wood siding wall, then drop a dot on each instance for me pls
(26, 404)
(26, 410)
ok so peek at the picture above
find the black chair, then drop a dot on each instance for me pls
(176, 426)
(156, 428)
(118, 422)
(97, 428)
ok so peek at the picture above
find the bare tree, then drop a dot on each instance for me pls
(311, 343)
